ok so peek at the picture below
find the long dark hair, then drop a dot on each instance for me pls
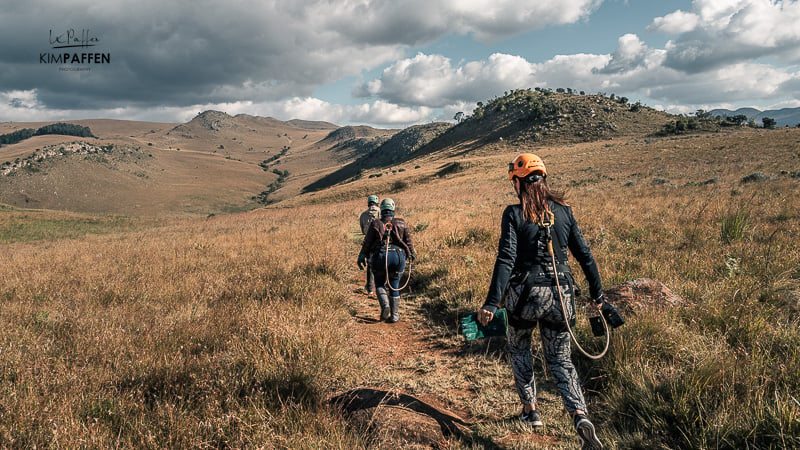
(534, 196)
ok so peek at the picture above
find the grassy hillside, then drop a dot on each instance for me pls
(520, 118)
(213, 164)
(235, 330)
(217, 163)
(380, 154)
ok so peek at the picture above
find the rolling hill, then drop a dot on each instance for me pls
(520, 118)
(214, 163)
(217, 163)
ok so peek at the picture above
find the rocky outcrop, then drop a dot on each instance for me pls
(640, 294)
(52, 151)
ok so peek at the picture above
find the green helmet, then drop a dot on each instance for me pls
(372, 199)
(387, 205)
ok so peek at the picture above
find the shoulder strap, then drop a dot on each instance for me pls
(395, 236)
(561, 257)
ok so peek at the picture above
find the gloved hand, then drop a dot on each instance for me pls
(362, 261)
(413, 256)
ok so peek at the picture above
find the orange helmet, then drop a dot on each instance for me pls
(524, 165)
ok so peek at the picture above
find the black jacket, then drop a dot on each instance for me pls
(523, 244)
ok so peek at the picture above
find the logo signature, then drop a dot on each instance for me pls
(68, 60)
(72, 38)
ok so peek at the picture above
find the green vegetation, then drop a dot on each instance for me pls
(681, 125)
(263, 197)
(537, 105)
(734, 224)
(684, 125)
(18, 226)
(265, 164)
(67, 129)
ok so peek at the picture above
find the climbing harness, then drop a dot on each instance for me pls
(547, 224)
(387, 236)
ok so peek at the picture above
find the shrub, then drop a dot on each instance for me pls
(733, 225)
(399, 185)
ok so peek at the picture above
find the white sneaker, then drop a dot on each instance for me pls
(585, 431)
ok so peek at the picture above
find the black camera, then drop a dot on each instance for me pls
(612, 316)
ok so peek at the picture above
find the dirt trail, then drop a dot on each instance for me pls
(403, 420)
(402, 352)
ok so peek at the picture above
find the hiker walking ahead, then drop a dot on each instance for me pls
(524, 269)
(371, 213)
(387, 264)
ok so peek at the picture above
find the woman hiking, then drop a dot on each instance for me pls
(524, 273)
(388, 240)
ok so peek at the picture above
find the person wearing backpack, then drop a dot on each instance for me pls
(371, 213)
(388, 241)
(525, 278)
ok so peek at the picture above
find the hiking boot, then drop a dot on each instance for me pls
(585, 431)
(531, 418)
(394, 304)
(383, 301)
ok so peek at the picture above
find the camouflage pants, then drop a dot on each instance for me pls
(543, 307)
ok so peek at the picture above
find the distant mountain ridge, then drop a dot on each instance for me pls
(215, 121)
(217, 162)
(783, 117)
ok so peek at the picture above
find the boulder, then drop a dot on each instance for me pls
(642, 293)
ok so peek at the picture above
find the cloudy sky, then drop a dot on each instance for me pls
(386, 63)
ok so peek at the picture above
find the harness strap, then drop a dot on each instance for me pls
(390, 234)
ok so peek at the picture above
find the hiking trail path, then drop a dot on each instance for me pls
(424, 392)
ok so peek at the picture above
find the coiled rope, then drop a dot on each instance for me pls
(388, 231)
(561, 299)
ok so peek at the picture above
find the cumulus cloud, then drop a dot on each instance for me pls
(631, 54)
(734, 83)
(633, 70)
(718, 33)
(24, 106)
(384, 113)
(170, 60)
(433, 80)
(188, 52)
(673, 23)
(20, 99)
(415, 21)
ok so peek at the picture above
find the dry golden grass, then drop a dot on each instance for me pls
(232, 331)
(190, 171)
(718, 372)
(194, 334)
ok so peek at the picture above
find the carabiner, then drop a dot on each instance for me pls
(548, 220)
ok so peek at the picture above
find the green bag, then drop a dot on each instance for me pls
(472, 329)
